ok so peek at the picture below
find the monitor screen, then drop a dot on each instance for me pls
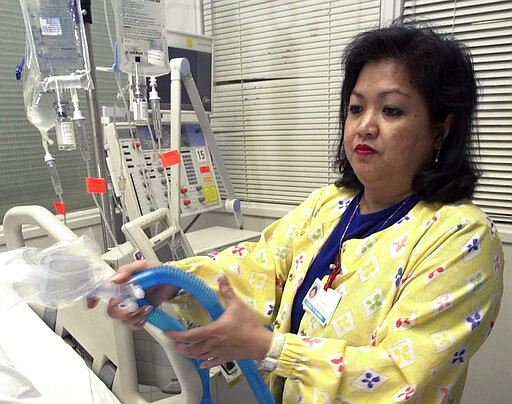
(200, 59)
(171, 250)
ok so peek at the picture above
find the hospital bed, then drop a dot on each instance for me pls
(74, 354)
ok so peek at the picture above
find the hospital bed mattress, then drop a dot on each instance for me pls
(38, 366)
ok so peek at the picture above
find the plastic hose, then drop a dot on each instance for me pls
(208, 298)
(165, 322)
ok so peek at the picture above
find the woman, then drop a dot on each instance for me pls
(408, 271)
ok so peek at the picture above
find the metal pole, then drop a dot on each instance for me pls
(97, 130)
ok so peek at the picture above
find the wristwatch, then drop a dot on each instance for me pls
(269, 363)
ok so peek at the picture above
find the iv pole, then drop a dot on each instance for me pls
(97, 132)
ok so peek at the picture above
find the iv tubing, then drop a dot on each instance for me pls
(206, 296)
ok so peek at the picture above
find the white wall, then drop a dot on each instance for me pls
(182, 16)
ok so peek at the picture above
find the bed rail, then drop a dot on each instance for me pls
(107, 344)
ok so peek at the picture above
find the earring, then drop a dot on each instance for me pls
(436, 158)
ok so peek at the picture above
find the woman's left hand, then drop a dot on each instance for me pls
(237, 334)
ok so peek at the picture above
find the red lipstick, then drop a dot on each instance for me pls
(364, 150)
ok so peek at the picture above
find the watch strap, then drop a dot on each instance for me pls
(269, 363)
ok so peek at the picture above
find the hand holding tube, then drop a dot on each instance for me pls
(244, 344)
(224, 339)
(156, 294)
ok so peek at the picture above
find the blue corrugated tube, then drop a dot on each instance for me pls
(208, 298)
(165, 322)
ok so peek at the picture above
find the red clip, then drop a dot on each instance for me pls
(60, 208)
(96, 185)
(170, 158)
(336, 270)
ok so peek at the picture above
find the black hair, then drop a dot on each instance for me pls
(441, 69)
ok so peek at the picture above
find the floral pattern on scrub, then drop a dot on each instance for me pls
(417, 301)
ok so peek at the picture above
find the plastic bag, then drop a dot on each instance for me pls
(59, 275)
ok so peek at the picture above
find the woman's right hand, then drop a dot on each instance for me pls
(156, 294)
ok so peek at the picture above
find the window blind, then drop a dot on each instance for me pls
(25, 179)
(485, 26)
(277, 84)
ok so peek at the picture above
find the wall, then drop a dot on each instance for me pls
(183, 16)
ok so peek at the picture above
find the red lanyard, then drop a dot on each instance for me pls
(336, 270)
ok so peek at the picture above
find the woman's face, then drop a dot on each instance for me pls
(388, 133)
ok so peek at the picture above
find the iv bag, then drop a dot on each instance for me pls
(141, 36)
(38, 105)
(56, 45)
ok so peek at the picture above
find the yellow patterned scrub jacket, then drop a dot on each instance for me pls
(418, 300)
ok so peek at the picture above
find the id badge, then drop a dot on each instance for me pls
(321, 303)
